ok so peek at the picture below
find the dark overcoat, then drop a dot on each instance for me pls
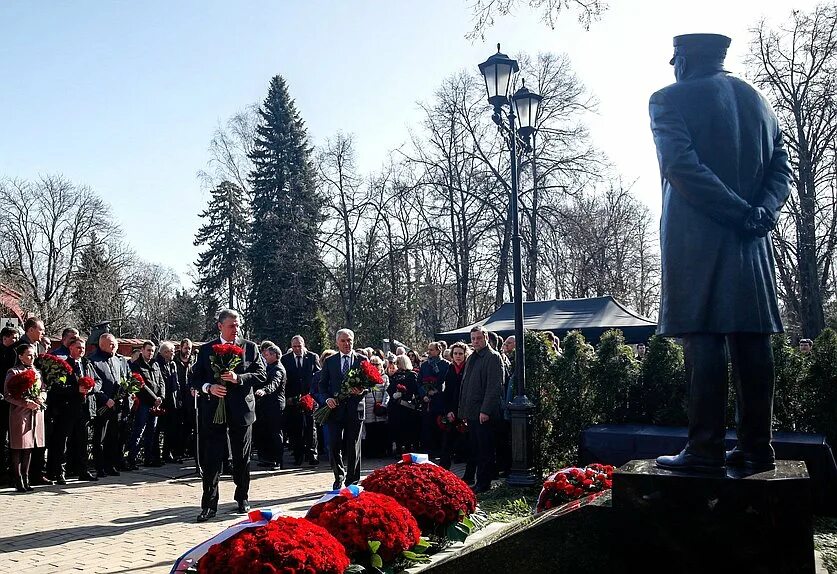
(720, 152)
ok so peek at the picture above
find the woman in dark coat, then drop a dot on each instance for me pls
(453, 440)
(402, 409)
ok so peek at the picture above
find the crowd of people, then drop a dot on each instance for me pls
(448, 402)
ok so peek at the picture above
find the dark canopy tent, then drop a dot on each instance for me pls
(591, 316)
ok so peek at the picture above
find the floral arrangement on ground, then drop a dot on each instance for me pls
(440, 501)
(570, 484)
(283, 545)
(374, 528)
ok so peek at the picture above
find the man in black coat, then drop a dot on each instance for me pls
(171, 420)
(8, 341)
(109, 369)
(150, 397)
(725, 177)
(344, 423)
(237, 389)
(72, 410)
(270, 402)
(300, 365)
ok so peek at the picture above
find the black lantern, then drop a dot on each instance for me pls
(526, 105)
(497, 71)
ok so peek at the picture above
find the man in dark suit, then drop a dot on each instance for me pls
(725, 177)
(109, 369)
(150, 396)
(237, 389)
(300, 365)
(345, 422)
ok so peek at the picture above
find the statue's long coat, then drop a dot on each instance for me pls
(720, 152)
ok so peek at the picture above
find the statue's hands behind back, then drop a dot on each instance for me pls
(759, 222)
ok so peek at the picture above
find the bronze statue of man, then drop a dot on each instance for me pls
(725, 176)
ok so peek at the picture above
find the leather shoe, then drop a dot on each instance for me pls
(60, 479)
(243, 507)
(41, 481)
(101, 473)
(313, 462)
(686, 462)
(337, 485)
(87, 477)
(112, 471)
(132, 466)
(206, 514)
(740, 459)
(477, 489)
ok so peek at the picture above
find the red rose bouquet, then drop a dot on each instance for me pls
(357, 379)
(573, 483)
(224, 358)
(373, 527)
(435, 496)
(54, 370)
(307, 404)
(129, 386)
(86, 383)
(283, 545)
(25, 386)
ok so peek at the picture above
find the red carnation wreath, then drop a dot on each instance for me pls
(571, 484)
(435, 496)
(358, 522)
(283, 545)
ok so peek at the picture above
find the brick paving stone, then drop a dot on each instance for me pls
(139, 521)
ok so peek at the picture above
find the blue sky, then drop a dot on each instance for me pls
(124, 96)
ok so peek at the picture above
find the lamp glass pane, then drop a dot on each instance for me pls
(504, 73)
(490, 75)
(523, 108)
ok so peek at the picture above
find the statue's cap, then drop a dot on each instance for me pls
(712, 46)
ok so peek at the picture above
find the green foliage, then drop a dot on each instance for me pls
(222, 265)
(542, 391)
(820, 386)
(615, 377)
(789, 396)
(319, 341)
(663, 390)
(284, 254)
(573, 400)
(187, 319)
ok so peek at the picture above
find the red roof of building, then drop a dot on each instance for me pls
(10, 299)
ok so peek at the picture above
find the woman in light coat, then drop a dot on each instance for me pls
(26, 419)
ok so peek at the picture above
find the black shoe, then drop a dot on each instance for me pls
(19, 486)
(205, 515)
(477, 488)
(130, 467)
(469, 480)
(742, 460)
(243, 507)
(101, 472)
(112, 471)
(61, 479)
(155, 464)
(26, 486)
(41, 481)
(278, 467)
(266, 464)
(686, 462)
(313, 462)
(337, 486)
(86, 476)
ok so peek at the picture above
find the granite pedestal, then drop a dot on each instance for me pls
(688, 522)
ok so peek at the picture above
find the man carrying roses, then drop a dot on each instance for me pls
(236, 388)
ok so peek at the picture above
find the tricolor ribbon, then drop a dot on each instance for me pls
(414, 458)
(258, 517)
(351, 491)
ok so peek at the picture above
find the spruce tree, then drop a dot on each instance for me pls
(97, 287)
(223, 266)
(284, 255)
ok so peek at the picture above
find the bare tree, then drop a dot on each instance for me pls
(485, 11)
(230, 149)
(49, 223)
(796, 65)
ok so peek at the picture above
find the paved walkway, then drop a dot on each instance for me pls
(139, 522)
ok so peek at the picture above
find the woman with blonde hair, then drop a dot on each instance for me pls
(402, 409)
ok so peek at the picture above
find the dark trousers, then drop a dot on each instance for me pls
(145, 427)
(107, 452)
(455, 443)
(302, 435)
(174, 432)
(4, 440)
(273, 433)
(59, 444)
(753, 376)
(77, 456)
(481, 441)
(430, 433)
(214, 451)
(375, 445)
(344, 450)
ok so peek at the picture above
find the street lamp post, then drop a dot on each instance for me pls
(498, 72)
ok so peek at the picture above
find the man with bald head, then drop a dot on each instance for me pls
(108, 369)
(300, 365)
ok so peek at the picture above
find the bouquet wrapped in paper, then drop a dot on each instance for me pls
(357, 380)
